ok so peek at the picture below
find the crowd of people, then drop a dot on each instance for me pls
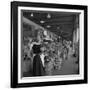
(45, 52)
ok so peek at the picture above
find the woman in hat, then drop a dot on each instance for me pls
(38, 69)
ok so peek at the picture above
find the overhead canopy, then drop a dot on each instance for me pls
(61, 23)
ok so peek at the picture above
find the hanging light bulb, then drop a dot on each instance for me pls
(31, 14)
(48, 16)
(48, 26)
(42, 21)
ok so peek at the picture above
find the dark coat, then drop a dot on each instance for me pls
(38, 69)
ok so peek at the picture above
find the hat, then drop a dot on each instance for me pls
(36, 49)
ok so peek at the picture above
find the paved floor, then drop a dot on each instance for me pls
(69, 66)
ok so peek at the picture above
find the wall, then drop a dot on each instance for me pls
(5, 46)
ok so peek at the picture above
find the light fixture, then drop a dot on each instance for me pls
(48, 26)
(42, 21)
(48, 16)
(31, 14)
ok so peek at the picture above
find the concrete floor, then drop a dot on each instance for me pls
(69, 67)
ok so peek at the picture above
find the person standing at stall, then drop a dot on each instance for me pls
(38, 69)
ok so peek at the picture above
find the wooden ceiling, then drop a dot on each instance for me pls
(61, 23)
